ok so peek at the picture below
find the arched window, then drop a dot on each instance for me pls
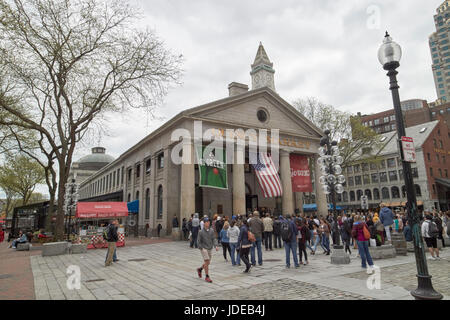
(137, 195)
(160, 202)
(395, 192)
(376, 194)
(368, 193)
(385, 193)
(345, 196)
(147, 204)
(418, 191)
(403, 191)
(359, 194)
(129, 197)
(339, 197)
(352, 195)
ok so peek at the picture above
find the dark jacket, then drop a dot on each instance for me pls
(112, 233)
(276, 227)
(303, 230)
(243, 237)
(386, 216)
(407, 232)
(294, 231)
(346, 230)
(256, 227)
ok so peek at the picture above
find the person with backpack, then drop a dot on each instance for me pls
(303, 236)
(194, 229)
(112, 237)
(361, 233)
(244, 245)
(346, 235)
(289, 235)
(430, 233)
(438, 222)
(276, 233)
(325, 232)
(257, 228)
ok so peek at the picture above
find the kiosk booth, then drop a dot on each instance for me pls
(92, 219)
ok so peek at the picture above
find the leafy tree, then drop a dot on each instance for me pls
(66, 63)
(21, 174)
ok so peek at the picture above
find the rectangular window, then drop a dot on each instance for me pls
(431, 171)
(393, 176)
(400, 174)
(365, 167)
(374, 177)
(366, 179)
(437, 158)
(386, 119)
(373, 166)
(349, 169)
(350, 181)
(161, 161)
(383, 177)
(440, 141)
(129, 175)
(358, 180)
(392, 118)
(391, 163)
(138, 171)
(446, 173)
(382, 164)
(356, 168)
(377, 121)
(148, 166)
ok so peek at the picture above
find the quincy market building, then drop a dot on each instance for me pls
(163, 188)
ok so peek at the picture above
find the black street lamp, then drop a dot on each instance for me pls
(332, 178)
(389, 56)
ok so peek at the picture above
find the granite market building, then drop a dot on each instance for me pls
(164, 189)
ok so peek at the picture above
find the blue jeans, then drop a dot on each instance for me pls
(233, 247)
(257, 244)
(326, 242)
(288, 248)
(194, 237)
(363, 248)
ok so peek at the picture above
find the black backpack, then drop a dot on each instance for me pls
(433, 230)
(285, 231)
(307, 234)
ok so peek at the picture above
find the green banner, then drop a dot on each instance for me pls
(212, 164)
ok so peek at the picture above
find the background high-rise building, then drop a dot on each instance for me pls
(440, 51)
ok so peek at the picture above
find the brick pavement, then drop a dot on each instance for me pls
(166, 270)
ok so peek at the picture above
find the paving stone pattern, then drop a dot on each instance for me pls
(166, 271)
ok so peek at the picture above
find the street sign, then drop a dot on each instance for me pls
(409, 152)
(364, 203)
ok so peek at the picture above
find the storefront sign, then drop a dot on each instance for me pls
(409, 152)
(300, 174)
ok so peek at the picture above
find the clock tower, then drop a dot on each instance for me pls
(262, 70)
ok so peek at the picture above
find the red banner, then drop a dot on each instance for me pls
(300, 174)
(96, 210)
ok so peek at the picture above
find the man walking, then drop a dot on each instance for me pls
(257, 228)
(289, 235)
(268, 230)
(194, 230)
(387, 219)
(112, 238)
(276, 233)
(206, 241)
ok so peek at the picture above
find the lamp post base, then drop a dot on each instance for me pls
(339, 256)
(425, 290)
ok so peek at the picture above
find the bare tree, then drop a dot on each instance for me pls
(65, 63)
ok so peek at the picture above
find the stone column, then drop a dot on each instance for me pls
(239, 181)
(287, 199)
(187, 201)
(299, 201)
(321, 198)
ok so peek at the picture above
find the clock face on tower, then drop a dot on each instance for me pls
(257, 78)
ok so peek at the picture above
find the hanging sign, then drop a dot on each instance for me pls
(409, 152)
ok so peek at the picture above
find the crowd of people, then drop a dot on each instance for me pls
(243, 237)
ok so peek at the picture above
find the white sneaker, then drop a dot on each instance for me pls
(369, 270)
(432, 258)
(438, 258)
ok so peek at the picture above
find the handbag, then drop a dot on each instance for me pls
(251, 237)
(373, 242)
(366, 232)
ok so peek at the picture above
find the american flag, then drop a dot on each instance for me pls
(267, 175)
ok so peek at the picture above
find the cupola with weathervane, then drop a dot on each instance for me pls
(262, 70)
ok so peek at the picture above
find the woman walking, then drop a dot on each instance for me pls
(346, 234)
(359, 233)
(225, 241)
(233, 235)
(303, 232)
(244, 245)
(325, 231)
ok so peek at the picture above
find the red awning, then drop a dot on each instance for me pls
(94, 210)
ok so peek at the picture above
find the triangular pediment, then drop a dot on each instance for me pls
(242, 111)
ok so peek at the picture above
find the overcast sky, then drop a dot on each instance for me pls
(321, 48)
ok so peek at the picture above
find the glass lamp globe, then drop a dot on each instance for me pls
(322, 180)
(322, 151)
(339, 188)
(341, 178)
(337, 169)
(338, 159)
(326, 189)
(331, 179)
(324, 169)
(389, 51)
(321, 161)
(335, 150)
(328, 159)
